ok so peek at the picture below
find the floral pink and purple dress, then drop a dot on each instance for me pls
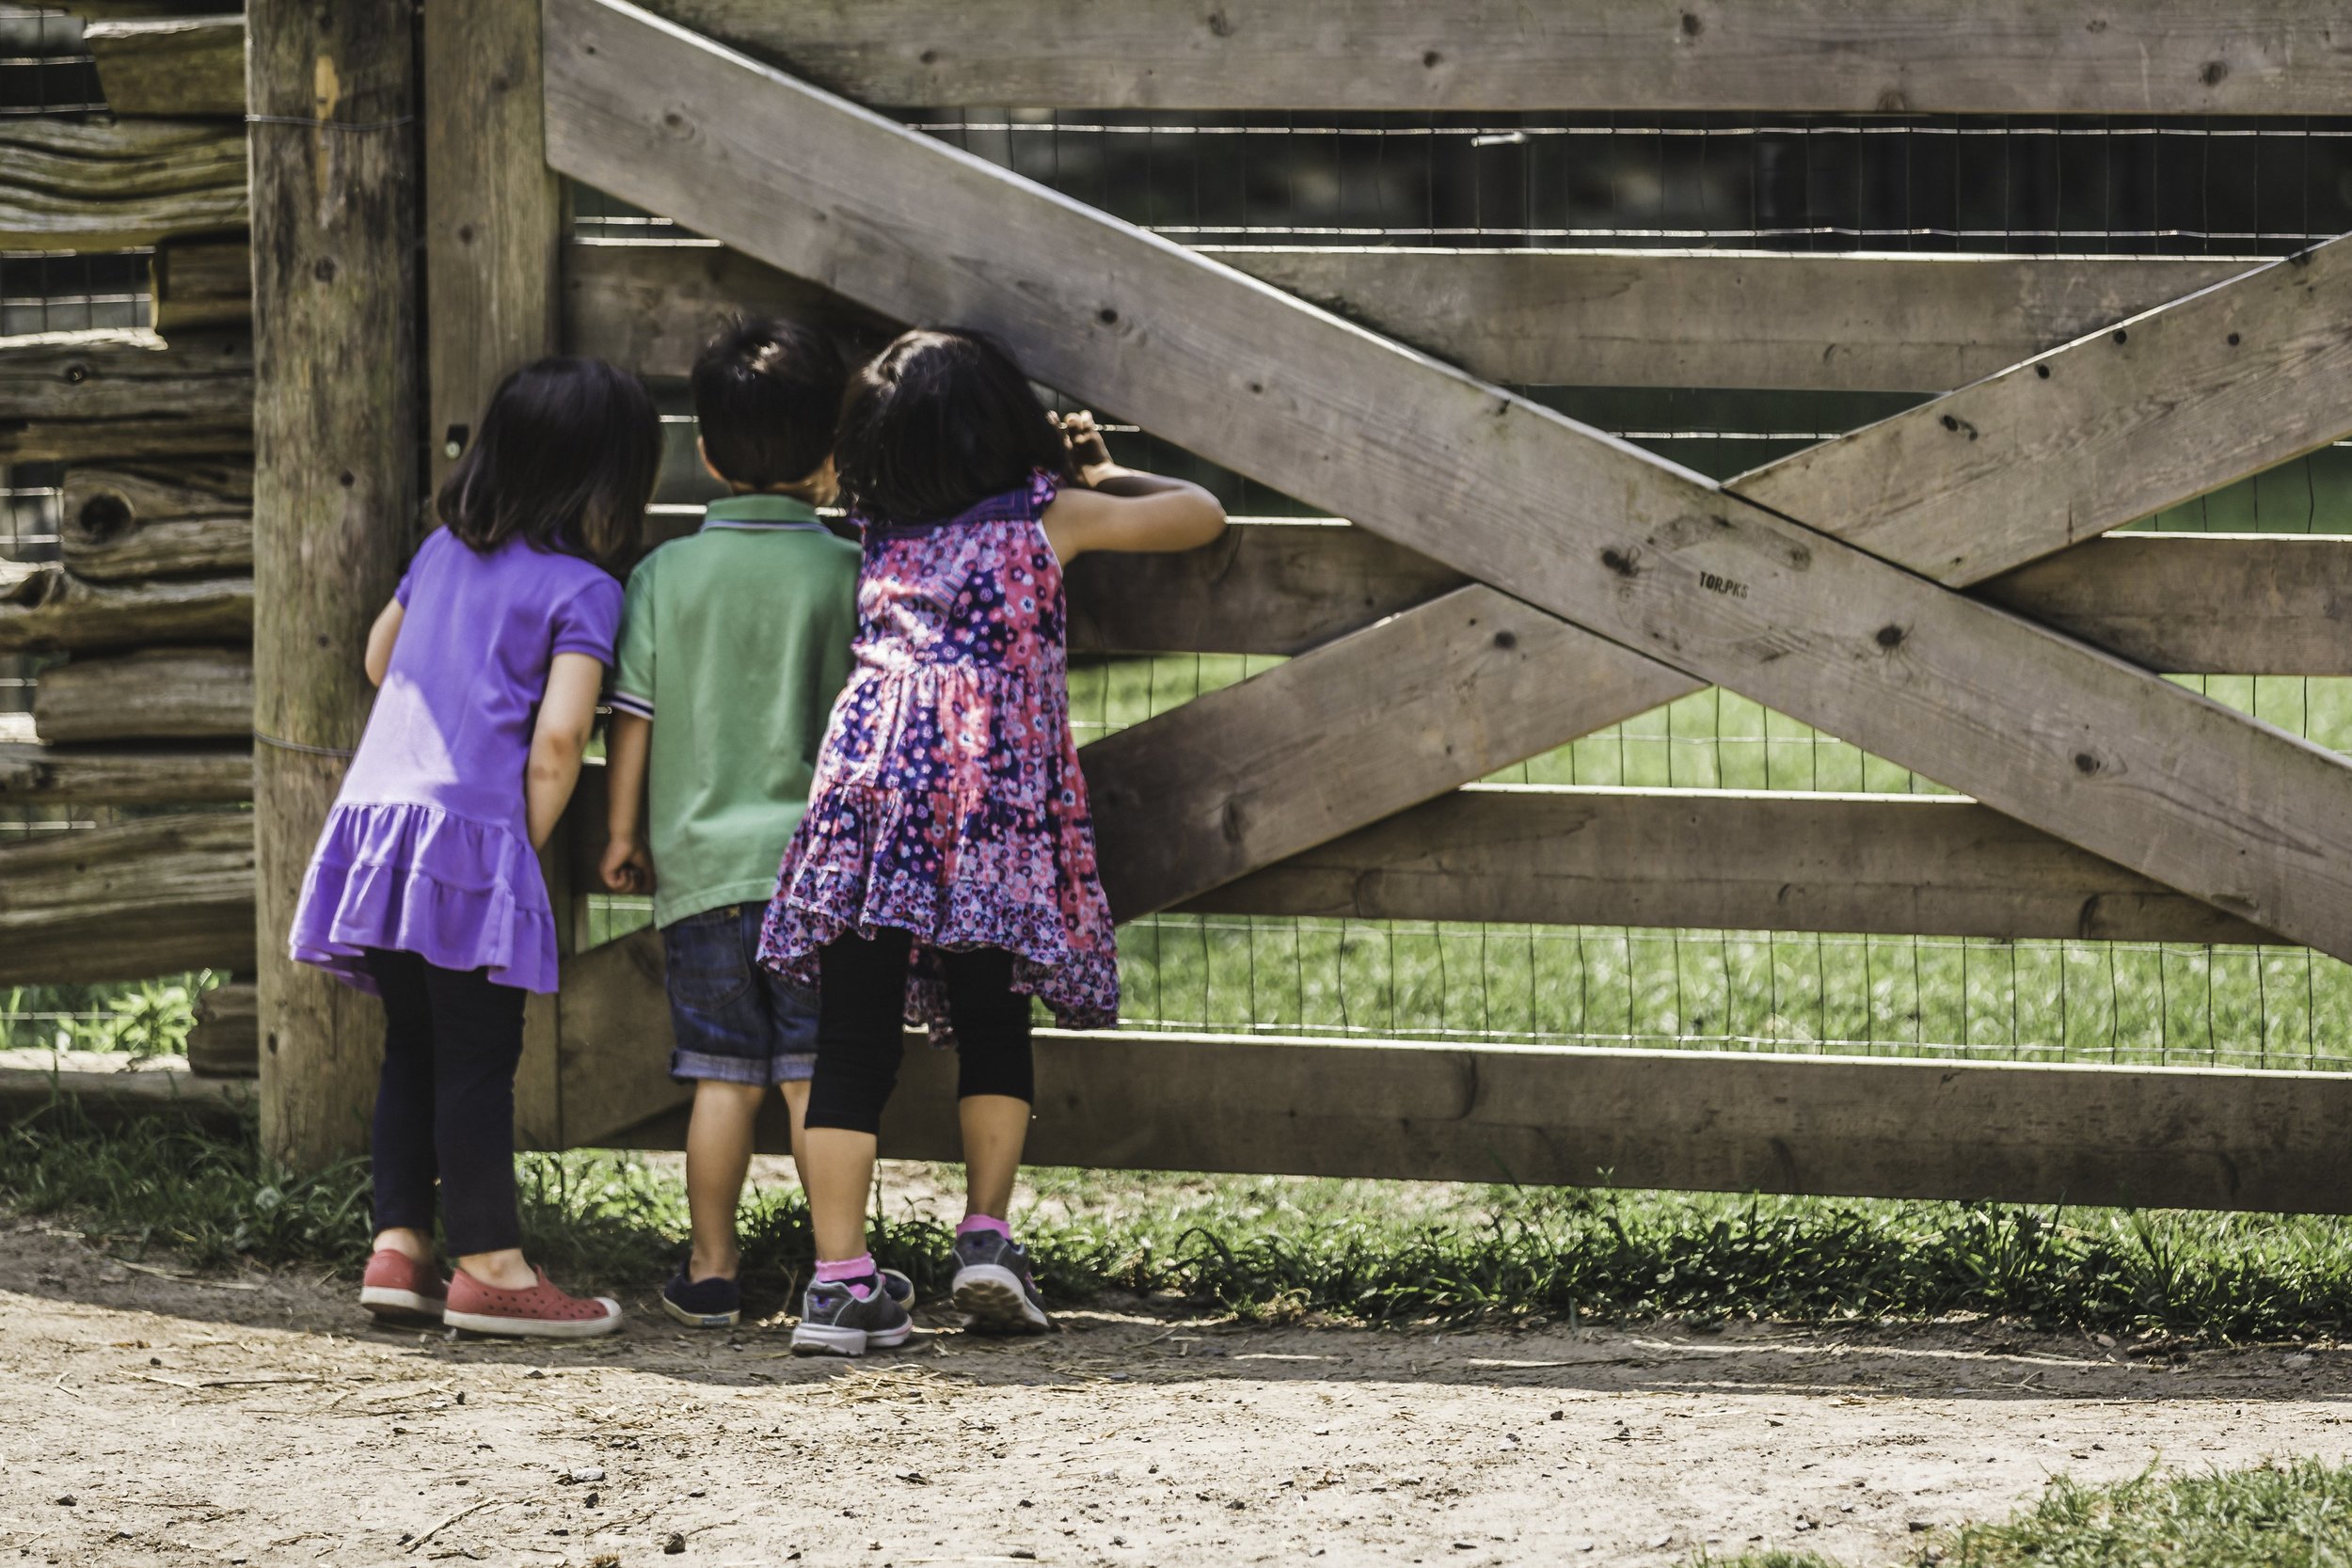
(948, 800)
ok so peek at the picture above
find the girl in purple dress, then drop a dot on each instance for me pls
(945, 872)
(425, 886)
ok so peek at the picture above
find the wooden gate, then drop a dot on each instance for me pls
(1932, 588)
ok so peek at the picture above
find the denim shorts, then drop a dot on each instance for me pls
(736, 1020)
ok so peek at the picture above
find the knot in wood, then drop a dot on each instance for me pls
(1620, 562)
(1890, 637)
(1691, 26)
(2086, 762)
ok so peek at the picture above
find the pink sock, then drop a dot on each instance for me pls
(984, 1221)
(847, 1272)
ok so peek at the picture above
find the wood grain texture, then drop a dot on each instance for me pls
(127, 902)
(335, 482)
(1992, 56)
(192, 65)
(114, 374)
(2182, 603)
(48, 609)
(227, 1039)
(87, 185)
(120, 1098)
(493, 235)
(149, 694)
(133, 440)
(1602, 317)
(2157, 410)
(1723, 859)
(2083, 746)
(202, 283)
(123, 775)
(651, 304)
(156, 519)
(1709, 1120)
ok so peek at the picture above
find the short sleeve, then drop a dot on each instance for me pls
(408, 578)
(632, 669)
(586, 622)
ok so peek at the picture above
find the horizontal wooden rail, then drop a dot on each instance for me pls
(1586, 318)
(2158, 1138)
(112, 1098)
(196, 693)
(183, 65)
(1729, 860)
(89, 185)
(152, 896)
(2182, 603)
(47, 607)
(1707, 859)
(109, 393)
(1989, 56)
(123, 775)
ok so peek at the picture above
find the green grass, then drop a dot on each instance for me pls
(1279, 1249)
(2289, 1516)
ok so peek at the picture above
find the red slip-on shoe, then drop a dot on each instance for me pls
(542, 1313)
(397, 1286)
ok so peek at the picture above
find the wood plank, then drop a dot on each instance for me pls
(650, 305)
(1992, 56)
(1591, 318)
(47, 608)
(2176, 1137)
(115, 1098)
(114, 441)
(227, 1039)
(129, 901)
(75, 186)
(335, 493)
(1889, 864)
(202, 283)
(493, 240)
(113, 373)
(2159, 409)
(123, 776)
(156, 519)
(2182, 603)
(1852, 322)
(192, 65)
(2081, 745)
(149, 694)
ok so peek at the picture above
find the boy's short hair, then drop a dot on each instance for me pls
(768, 397)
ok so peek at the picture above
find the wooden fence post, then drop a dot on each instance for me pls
(493, 225)
(334, 185)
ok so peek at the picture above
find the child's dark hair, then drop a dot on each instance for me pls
(938, 422)
(566, 456)
(767, 395)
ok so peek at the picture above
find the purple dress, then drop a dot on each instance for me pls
(947, 800)
(428, 848)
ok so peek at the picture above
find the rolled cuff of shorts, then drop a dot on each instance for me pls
(790, 1067)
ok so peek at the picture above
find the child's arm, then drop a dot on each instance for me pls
(567, 713)
(627, 867)
(1123, 509)
(381, 637)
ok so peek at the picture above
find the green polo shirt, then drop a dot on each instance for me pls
(733, 642)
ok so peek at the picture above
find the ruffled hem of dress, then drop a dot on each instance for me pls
(820, 904)
(459, 894)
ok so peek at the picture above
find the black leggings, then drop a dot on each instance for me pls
(861, 1013)
(445, 1103)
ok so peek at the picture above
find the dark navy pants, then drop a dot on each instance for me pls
(445, 1103)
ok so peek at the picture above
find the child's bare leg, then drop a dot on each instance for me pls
(838, 1172)
(796, 1104)
(717, 1156)
(406, 1241)
(996, 1125)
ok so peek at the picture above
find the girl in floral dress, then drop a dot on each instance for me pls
(945, 872)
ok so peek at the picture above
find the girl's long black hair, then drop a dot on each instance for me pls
(566, 456)
(936, 423)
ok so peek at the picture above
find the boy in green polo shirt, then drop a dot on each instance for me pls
(734, 642)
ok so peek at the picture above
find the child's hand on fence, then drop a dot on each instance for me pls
(1080, 437)
(627, 867)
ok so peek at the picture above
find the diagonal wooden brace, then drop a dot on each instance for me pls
(1647, 555)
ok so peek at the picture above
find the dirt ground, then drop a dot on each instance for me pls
(259, 1421)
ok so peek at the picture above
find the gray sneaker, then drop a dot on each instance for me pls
(897, 1286)
(992, 1287)
(836, 1321)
